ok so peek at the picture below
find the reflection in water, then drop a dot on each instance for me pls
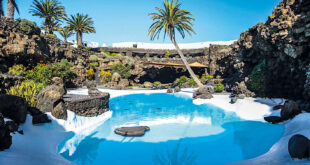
(177, 156)
(86, 152)
(181, 133)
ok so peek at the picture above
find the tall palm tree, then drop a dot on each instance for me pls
(65, 33)
(53, 26)
(1, 8)
(171, 18)
(10, 8)
(81, 24)
(50, 10)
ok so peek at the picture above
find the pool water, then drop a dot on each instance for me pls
(181, 133)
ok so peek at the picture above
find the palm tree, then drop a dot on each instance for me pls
(50, 10)
(1, 8)
(81, 24)
(11, 6)
(169, 19)
(65, 33)
(53, 26)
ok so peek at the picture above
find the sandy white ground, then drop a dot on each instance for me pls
(39, 144)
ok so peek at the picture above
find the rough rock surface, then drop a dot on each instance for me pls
(60, 111)
(13, 107)
(202, 93)
(177, 89)
(5, 137)
(132, 131)
(241, 88)
(299, 147)
(290, 110)
(40, 119)
(273, 119)
(169, 90)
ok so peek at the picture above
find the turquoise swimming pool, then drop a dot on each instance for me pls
(182, 133)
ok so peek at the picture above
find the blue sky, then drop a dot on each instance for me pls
(128, 20)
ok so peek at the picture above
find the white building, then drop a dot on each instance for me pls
(169, 46)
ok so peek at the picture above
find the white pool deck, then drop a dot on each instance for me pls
(38, 145)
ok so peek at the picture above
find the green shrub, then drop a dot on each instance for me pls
(51, 35)
(219, 87)
(121, 69)
(203, 76)
(106, 75)
(19, 70)
(28, 90)
(163, 86)
(157, 83)
(93, 58)
(29, 27)
(94, 65)
(257, 79)
(63, 70)
(191, 82)
(40, 74)
(181, 80)
(210, 77)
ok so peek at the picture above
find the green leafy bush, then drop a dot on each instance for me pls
(29, 27)
(210, 77)
(203, 76)
(167, 55)
(93, 58)
(191, 82)
(257, 79)
(19, 70)
(157, 83)
(121, 69)
(28, 90)
(94, 65)
(163, 86)
(42, 73)
(63, 70)
(106, 75)
(181, 80)
(219, 87)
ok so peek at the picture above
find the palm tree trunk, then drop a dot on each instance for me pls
(189, 69)
(1, 8)
(79, 38)
(10, 9)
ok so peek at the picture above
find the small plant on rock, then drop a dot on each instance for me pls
(191, 82)
(106, 75)
(257, 79)
(123, 70)
(181, 80)
(157, 83)
(209, 77)
(90, 74)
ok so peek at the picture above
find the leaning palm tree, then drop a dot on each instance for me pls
(169, 19)
(81, 24)
(65, 33)
(50, 10)
(1, 8)
(10, 8)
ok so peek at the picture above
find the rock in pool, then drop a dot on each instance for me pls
(132, 131)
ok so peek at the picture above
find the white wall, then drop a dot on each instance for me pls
(170, 46)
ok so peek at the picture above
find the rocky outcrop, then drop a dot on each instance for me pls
(202, 93)
(89, 106)
(50, 99)
(290, 110)
(241, 89)
(13, 107)
(5, 137)
(132, 131)
(7, 81)
(299, 147)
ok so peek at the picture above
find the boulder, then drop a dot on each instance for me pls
(299, 147)
(241, 96)
(13, 107)
(49, 96)
(273, 119)
(123, 83)
(210, 88)
(132, 131)
(5, 137)
(233, 100)
(60, 111)
(116, 77)
(177, 89)
(202, 93)
(40, 119)
(169, 90)
(290, 110)
(93, 92)
(241, 88)
(57, 81)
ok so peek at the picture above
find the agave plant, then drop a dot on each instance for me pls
(28, 90)
(51, 10)
(169, 19)
(81, 24)
(10, 8)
